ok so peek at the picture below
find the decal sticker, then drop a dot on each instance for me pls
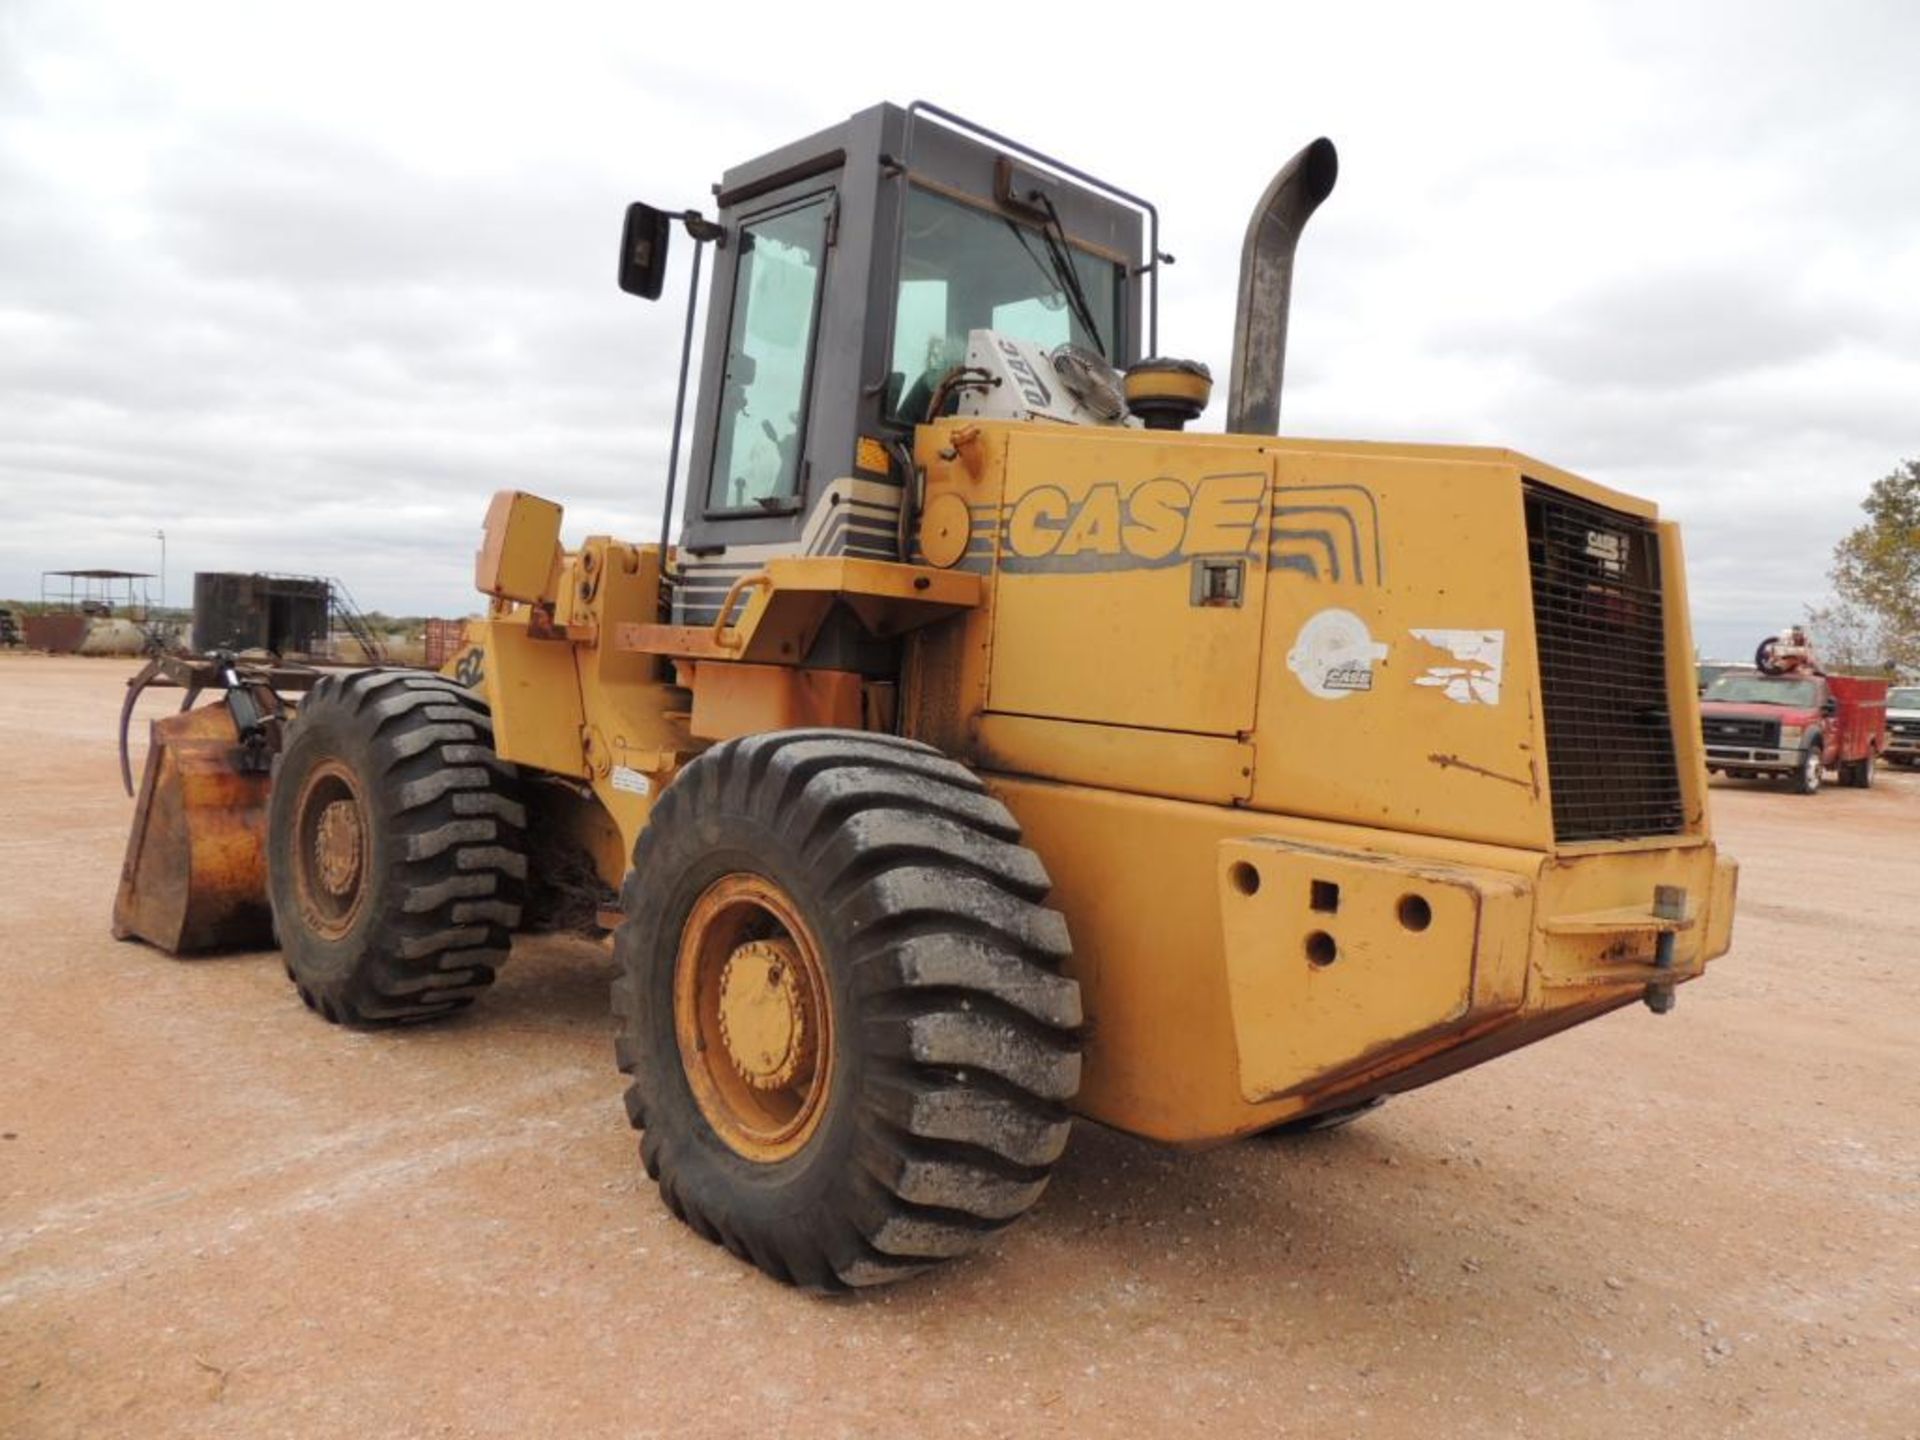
(1326, 533)
(1032, 388)
(1334, 655)
(1611, 548)
(1480, 656)
(631, 781)
(1157, 524)
(471, 668)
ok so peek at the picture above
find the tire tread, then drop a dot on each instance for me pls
(458, 848)
(971, 1032)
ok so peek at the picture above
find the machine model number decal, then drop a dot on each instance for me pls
(1479, 656)
(1335, 654)
(632, 782)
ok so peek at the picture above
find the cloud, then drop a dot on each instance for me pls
(304, 290)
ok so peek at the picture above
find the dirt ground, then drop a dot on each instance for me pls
(222, 1217)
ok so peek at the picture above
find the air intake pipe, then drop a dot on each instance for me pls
(1266, 287)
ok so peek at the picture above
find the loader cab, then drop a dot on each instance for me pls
(846, 280)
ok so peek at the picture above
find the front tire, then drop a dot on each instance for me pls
(396, 848)
(1806, 780)
(841, 1008)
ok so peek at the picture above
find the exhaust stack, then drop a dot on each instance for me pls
(1266, 287)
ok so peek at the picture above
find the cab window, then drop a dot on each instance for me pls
(763, 392)
(963, 268)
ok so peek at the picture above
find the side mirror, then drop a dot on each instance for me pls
(1830, 706)
(643, 251)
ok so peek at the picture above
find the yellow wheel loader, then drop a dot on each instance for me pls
(992, 749)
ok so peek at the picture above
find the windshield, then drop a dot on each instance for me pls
(1759, 690)
(963, 268)
(1906, 697)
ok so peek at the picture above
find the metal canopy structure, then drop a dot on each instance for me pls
(96, 592)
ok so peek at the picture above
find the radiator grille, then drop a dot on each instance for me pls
(1603, 670)
(1735, 729)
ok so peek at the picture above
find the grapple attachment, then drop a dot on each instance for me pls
(195, 874)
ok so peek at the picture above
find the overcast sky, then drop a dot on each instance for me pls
(303, 285)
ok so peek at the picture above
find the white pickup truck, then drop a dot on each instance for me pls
(1903, 725)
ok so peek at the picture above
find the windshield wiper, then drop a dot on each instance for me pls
(1056, 237)
(1059, 268)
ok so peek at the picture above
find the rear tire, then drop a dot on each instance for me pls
(1858, 773)
(396, 848)
(908, 1097)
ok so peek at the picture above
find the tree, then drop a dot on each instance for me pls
(1847, 638)
(1876, 568)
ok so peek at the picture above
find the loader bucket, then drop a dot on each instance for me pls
(195, 875)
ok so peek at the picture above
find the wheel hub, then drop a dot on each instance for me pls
(338, 843)
(332, 850)
(764, 999)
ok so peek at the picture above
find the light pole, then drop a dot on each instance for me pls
(161, 535)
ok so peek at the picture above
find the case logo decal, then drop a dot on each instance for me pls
(1335, 654)
(1159, 522)
(1324, 533)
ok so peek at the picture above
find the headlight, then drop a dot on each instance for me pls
(1791, 735)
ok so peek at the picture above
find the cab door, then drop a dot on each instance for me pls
(756, 464)
(766, 392)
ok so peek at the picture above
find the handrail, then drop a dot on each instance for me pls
(758, 580)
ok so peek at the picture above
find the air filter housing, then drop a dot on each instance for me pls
(1166, 393)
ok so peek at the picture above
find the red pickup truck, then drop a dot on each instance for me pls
(1796, 726)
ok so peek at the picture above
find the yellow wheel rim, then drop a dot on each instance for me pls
(753, 1017)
